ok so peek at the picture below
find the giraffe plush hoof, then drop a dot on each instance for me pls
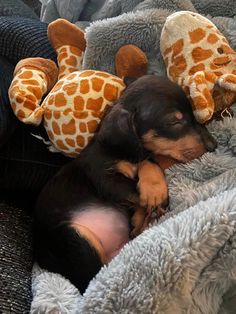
(47, 66)
(61, 33)
(130, 61)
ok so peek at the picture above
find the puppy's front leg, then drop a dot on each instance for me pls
(152, 185)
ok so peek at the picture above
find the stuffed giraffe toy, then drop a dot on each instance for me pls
(77, 99)
(198, 57)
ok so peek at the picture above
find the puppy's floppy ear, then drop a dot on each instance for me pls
(118, 133)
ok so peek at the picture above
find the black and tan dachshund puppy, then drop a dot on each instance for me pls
(83, 215)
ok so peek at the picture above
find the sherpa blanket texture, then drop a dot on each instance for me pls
(186, 262)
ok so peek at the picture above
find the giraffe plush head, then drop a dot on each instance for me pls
(76, 99)
(198, 57)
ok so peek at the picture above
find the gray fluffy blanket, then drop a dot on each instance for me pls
(185, 263)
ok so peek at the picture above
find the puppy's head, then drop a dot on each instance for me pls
(154, 115)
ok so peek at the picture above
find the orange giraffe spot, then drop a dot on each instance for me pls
(110, 92)
(214, 66)
(82, 127)
(62, 56)
(56, 128)
(221, 60)
(196, 68)
(57, 86)
(67, 111)
(178, 68)
(167, 51)
(80, 140)
(199, 79)
(81, 114)
(30, 82)
(31, 97)
(231, 79)
(61, 145)
(75, 51)
(50, 135)
(98, 114)
(212, 38)
(38, 114)
(71, 76)
(92, 126)
(94, 104)
(48, 114)
(13, 105)
(20, 114)
(84, 86)
(69, 128)
(19, 99)
(199, 54)
(208, 97)
(210, 77)
(86, 73)
(60, 100)
(36, 91)
(63, 68)
(70, 142)
(199, 103)
(71, 70)
(72, 61)
(197, 35)
(56, 114)
(177, 47)
(218, 73)
(70, 88)
(63, 49)
(103, 74)
(78, 103)
(97, 84)
(50, 100)
(26, 75)
(29, 104)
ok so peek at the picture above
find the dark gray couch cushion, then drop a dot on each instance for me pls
(16, 8)
(16, 260)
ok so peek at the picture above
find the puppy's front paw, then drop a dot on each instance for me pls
(151, 194)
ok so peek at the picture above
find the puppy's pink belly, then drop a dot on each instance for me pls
(109, 226)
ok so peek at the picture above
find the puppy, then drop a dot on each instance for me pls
(83, 215)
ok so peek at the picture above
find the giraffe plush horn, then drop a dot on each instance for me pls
(33, 78)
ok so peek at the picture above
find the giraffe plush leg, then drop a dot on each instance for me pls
(200, 88)
(228, 81)
(69, 42)
(33, 77)
(130, 61)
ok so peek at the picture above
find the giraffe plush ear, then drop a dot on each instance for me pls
(130, 61)
(117, 131)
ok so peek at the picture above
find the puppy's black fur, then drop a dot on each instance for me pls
(149, 103)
